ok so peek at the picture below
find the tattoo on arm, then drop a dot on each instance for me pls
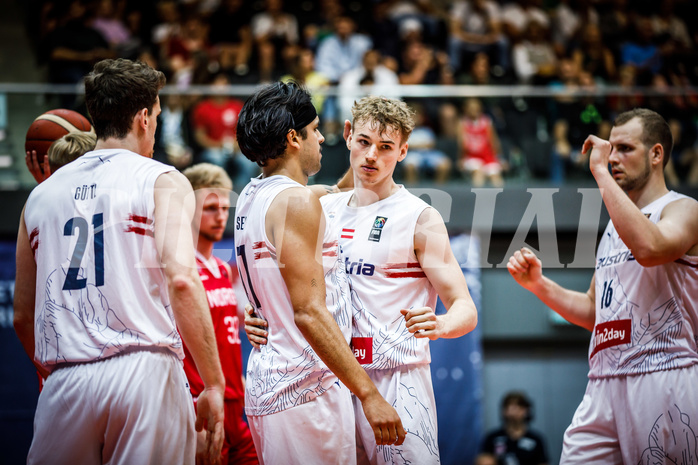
(313, 283)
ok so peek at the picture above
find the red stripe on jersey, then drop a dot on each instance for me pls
(140, 219)
(681, 261)
(347, 233)
(405, 274)
(34, 240)
(328, 245)
(261, 255)
(330, 253)
(258, 245)
(399, 266)
(141, 231)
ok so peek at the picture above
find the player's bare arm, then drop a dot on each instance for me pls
(652, 244)
(174, 210)
(25, 292)
(578, 308)
(294, 224)
(436, 258)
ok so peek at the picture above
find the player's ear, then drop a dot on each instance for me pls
(292, 138)
(347, 134)
(403, 152)
(141, 119)
(657, 154)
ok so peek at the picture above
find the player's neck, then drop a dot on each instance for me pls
(205, 247)
(286, 165)
(129, 142)
(367, 194)
(516, 430)
(653, 190)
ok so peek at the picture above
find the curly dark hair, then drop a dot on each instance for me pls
(116, 90)
(267, 117)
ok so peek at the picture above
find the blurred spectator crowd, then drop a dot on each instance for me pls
(580, 46)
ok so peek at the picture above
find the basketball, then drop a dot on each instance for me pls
(51, 126)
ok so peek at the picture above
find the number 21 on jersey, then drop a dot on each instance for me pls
(79, 224)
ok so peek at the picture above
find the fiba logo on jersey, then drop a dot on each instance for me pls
(377, 230)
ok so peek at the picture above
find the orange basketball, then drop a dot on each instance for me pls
(51, 126)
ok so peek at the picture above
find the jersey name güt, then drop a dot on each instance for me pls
(286, 371)
(646, 317)
(100, 287)
(385, 276)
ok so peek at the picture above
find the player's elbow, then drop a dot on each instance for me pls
(182, 283)
(305, 316)
(23, 324)
(650, 256)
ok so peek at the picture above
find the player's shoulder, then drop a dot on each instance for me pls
(680, 206)
(294, 201)
(335, 198)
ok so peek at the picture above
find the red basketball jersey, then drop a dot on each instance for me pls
(223, 305)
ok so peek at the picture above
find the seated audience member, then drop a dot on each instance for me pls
(371, 72)
(475, 26)
(214, 122)
(534, 59)
(276, 36)
(231, 37)
(480, 146)
(515, 442)
(422, 154)
(574, 118)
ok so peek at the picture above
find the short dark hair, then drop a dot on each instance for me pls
(520, 399)
(268, 116)
(655, 129)
(116, 90)
(516, 397)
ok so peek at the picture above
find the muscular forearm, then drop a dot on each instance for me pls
(638, 233)
(460, 319)
(320, 330)
(194, 324)
(576, 307)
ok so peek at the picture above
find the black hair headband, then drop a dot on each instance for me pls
(304, 116)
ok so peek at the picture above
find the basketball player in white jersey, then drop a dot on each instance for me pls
(105, 277)
(397, 254)
(640, 404)
(398, 257)
(290, 265)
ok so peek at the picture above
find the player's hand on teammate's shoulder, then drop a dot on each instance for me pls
(255, 328)
(422, 322)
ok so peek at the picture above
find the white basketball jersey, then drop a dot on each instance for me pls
(385, 276)
(646, 317)
(100, 289)
(286, 371)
